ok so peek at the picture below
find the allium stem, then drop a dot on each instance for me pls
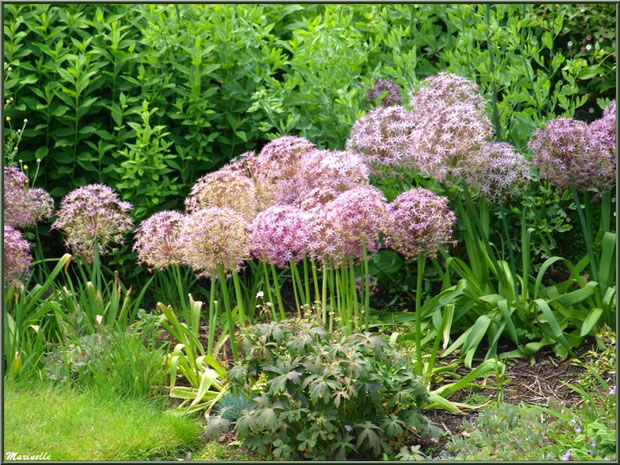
(315, 278)
(366, 287)
(324, 292)
(586, 233)
(276, 285)
(293, 277)
(213, 306)
(268, 287)
(176, 271)
(353, 294)
(229, 318)
(419, 368)
(605, 212)
(306, 283)
(508, 240)
(239, 296)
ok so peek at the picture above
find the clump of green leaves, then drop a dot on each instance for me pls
(316, 395)
(503, 433)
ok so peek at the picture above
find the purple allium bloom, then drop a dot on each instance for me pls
(446, 136)
(603, 130)
(566, 456)
(279, 234)
(341, 226)
(382, 136)
(421, 223)
(323, 175)
(276, 164)
(40, 203)
(386, 87)
(17, 256)
(224, 188)
(243, 164)
(568, 153)
(445, 89)
(496, 171)
(93, 213)
(214, 237)
(157, 240)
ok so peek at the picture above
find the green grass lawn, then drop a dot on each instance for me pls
(88, 425)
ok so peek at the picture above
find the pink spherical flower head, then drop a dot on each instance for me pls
(382, 136)
(24, 206)
(445, 89)
(157, 240)
(90, 214)
(17, 257)
(496, 171)
(422, 223)
(603, 131)
(567, 152)
(280, 234)
(214, 237)
(277, 163)
(224, 188)
(357, 215)
(444, 138)
(324, 174)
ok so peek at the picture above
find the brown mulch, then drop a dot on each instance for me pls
(538, 384)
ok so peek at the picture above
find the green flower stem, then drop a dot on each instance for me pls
(358, 320)
(508, 241)
(268, 287)
(316, 281)
(306, 283)
(229, 318)
(276, 285)
(586, 234)
(213, 306)
(605, 212)
(293, 268)
(176, 273)
(324, 293)
(419, 368)
(239, 296)
(366, 286)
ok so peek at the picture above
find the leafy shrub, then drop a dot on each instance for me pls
(316, 395)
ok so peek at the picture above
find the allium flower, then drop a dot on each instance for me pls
(496, 171)
(40, 204)
(445, 137)
(276, 163)
(386, 87)
(323, 174)
(93, 213)
(567, 154)
(214, 237)
(603, 130)
(421, 223)
(357, 215)
(16, 212)
(157, 240)
(382, 136)
(17, 256)
(243, 164)
(445, 89)
(279, 234)
(224, 188)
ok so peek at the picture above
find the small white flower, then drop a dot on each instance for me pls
(260, 294)
(99, 318)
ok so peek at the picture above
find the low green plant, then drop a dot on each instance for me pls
(502, 433)
(319, 395)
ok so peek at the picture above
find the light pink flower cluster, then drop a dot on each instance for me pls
(24, 206)
(276, 164)
(567, 152)
(445, 89)
(422, 223)
(243, 164)
(214, 237)
(90, 214)
(359, 213)
(17, 256)
(382, 136)
(224, 188)
(496, 171)
(323, 175)
(281, 233)
(445, 138)
(157, 240)
(603, 130)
